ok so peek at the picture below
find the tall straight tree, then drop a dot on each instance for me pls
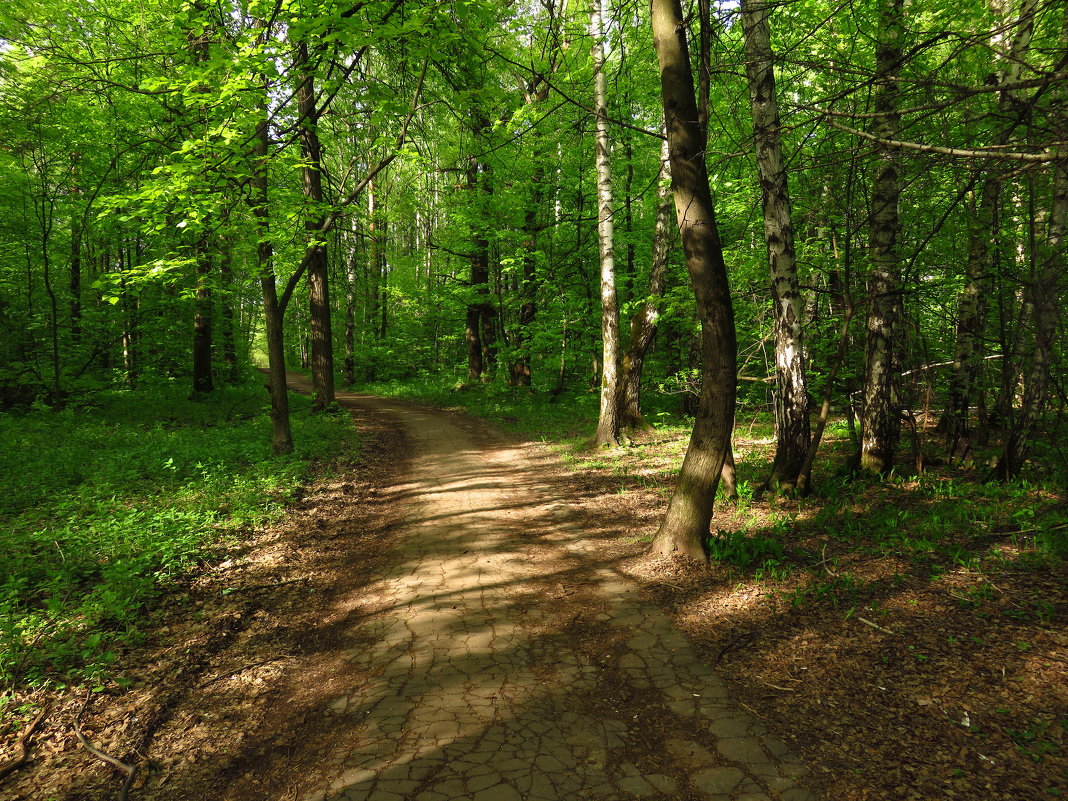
(984, 231)
(322, 341)
(1045, 290)
(686, 522)
(643, 323)
(608, 418)
(281, 431)
(791, 396)
(202, 300)
(880, 419)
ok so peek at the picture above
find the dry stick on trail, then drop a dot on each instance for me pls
(129, 770)
(24, 743)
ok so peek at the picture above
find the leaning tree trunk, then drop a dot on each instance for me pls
(608, 418)
(880, 420)
(686, 522)
(322, 341)
(791, 396)
(644, 323)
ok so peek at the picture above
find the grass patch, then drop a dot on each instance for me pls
(105, 508)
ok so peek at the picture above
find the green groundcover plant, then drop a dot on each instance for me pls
(106, 508)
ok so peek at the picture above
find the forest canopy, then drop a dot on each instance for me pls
(378, 191)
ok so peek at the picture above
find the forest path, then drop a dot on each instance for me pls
(494, 658)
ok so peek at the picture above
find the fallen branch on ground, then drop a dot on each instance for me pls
(129, 770)
(23, 744)
(876, 626)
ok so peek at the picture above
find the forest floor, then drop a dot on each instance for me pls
(461, 598)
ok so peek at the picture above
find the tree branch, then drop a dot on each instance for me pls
(1038, 158)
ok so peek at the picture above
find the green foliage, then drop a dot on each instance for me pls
(745, 550)
(108, 507)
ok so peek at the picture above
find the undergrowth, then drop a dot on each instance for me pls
(107, 507)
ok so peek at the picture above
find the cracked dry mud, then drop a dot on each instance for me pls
(498, 659)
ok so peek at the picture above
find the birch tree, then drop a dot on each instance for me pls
(791, 395)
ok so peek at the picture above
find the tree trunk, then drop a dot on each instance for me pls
(382, 271)
(521, 372)
(791, 396)
(479, 330)
(202, 324)
(686, 523)
(374, 294)
(226, 274)
(1045, 297)
(76, 281)
(880, 419)
(984, 231)
(322, 343)
(281, 431)
(349, 369)
(608, 419)
(643, 324)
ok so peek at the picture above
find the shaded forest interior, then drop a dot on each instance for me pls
(780, 282)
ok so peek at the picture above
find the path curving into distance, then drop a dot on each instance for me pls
(505, 662)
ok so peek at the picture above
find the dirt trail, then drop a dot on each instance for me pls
(493, 658)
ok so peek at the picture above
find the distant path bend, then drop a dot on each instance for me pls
(503, 662)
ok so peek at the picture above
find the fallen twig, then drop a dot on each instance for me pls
(774, 686)
(752, 711)
(129, 770)
(24, 744)
(876, 626)
(742, 639)
(823, 562)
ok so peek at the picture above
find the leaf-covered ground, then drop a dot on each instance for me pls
(906, 636)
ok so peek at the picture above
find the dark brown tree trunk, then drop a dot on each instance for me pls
(322, 342)
(643, 325)
(373, 270)
(202, 324)
(479, 330)
(349, 369)
(686, 524)
(281, 432)
(474, 343)
(382, 270)
(791, 394)
(521, 372)
(226, 275)
(880, 417)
